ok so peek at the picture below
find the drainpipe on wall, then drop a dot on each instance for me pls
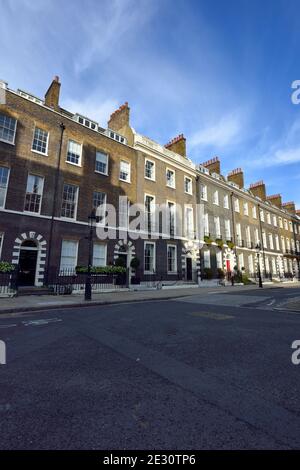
(62, 129)
(262, 242)
(233, 229)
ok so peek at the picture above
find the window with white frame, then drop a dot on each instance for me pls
(74, 152)
(280, 222)
(203, 192)
(69, 201)
(286, 224)
(34, 194)
(149, 213)
(256, 236)
(99, 203)
(288, 244)
(171, 217)
(293, 244)
(282, 244)
(241, 261)
(149, 257)
(227, 229)
(264, 237)
(206, 258)
(216, 198)
(219, 259)
(291, 226)
(226, 202)
(101, 163)
(271, 244)
(8, 127)
(277, 242)
(149, 170)
(125, 171)
(4, 175)
(189, 223)
(250, 264)
(274, 270)
(1, 242)
(246, 208)
(236, 205)
(170, 176)
(248, 236)
(238, 233)
(188, 187)
(68, 258)
(217, 227)
(268, 218)
(99, 254)
(262, 215)
(298, 246)
(40, 141)
(206, 224)
(172, 258)
(254, 214)
(274, 220)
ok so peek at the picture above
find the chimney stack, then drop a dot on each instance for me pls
(237, 177)
(275, 199)
(290, 207)
(259, 189)
(52, 94)
(119, 118)
(213, 165)
(177, 145)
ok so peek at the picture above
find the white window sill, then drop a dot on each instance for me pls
(100, 173)
(125, 181)
(172, 272)
(40, 153)
(149, 272)
(150, 179)
(7, 142)
(33, 213)
(74, 164)
(169, 186)
(187, 192)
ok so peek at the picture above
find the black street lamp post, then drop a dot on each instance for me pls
(258, 248)
(88, 284)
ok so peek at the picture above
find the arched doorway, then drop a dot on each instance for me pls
(28, 263)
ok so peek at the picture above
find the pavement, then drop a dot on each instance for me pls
(209, 370)
(50, 302)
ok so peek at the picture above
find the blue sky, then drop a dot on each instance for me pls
(220, 72)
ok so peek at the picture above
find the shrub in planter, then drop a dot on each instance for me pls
(238, 277)
(219, 242)
(208, 274)
(221, 273)
(230, 244)
(134, 263)
(101, 269)
(6, 267)
(207, 240)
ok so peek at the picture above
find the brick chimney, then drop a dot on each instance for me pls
(119, 118)
(213, 165)
(275, 199)
(290, 207)
(259, 189)
(52, 94)
(177, 145)
(237, 177)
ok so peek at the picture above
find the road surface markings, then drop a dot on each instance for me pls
(7, 326)
(272, 302)
(41, 322)
(213, 316)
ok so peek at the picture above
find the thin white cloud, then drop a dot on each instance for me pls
(224, 133)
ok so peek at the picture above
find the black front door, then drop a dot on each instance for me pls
(189, 270)
(27, 267)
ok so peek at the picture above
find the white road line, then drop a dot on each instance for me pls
(7, 326)
(272, 302)
(41, 322)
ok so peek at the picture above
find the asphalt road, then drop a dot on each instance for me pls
(210, 372)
